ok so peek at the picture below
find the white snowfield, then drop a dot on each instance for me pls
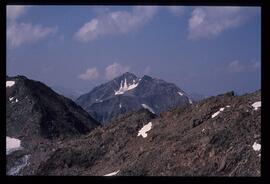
(10, 83)
(10, 98)
(181, 94)
(145, 129)
(149, 108)
(12, 144)
(120, 105)
(217, 113)
(124, 87)
(256, 146)
(256, 105)
(190, 101)
(113, 173)
(16, 169)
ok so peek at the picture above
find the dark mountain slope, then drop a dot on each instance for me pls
(33, 109)
(193, 140)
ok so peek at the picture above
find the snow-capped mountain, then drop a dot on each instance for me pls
(128, 93)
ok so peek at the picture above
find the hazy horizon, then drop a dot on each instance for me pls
(204, 50)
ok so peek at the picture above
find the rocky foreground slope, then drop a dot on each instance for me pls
(218, 136)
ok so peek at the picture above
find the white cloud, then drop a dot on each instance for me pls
(115, 70)
(90, 73)
(20, 33)
(117, 22)
(15, 11)
(237, 66)
(211, 21)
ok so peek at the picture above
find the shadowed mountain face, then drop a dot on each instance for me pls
(218, 136)
(33, 109)
(128, 93)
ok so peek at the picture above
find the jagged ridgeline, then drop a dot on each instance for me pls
(128, 93)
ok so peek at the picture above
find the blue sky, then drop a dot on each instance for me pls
(207, 50)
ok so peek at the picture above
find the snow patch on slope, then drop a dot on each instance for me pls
(256, 105)
(97, 100)
(145, 129)
(11, 99)
(12, 144)
(124, 87)
(113, 173)
(217, 113)
(181, 94)
(10, 83)
(256, 146)
(149, 108)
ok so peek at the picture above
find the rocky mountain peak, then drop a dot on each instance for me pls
(128, 74)
(129, 93)
(34, 109)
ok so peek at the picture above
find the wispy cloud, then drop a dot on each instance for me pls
(117, 22)
(237, 66)
(177, 10)
(90, 74)
(206, 22)
(115, 70)
(15, 11)
(19, 33)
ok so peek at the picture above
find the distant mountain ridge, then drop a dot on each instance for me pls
(128, 93)
(196, 97)
(69, 93)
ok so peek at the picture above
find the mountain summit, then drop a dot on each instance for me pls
(128, 93)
